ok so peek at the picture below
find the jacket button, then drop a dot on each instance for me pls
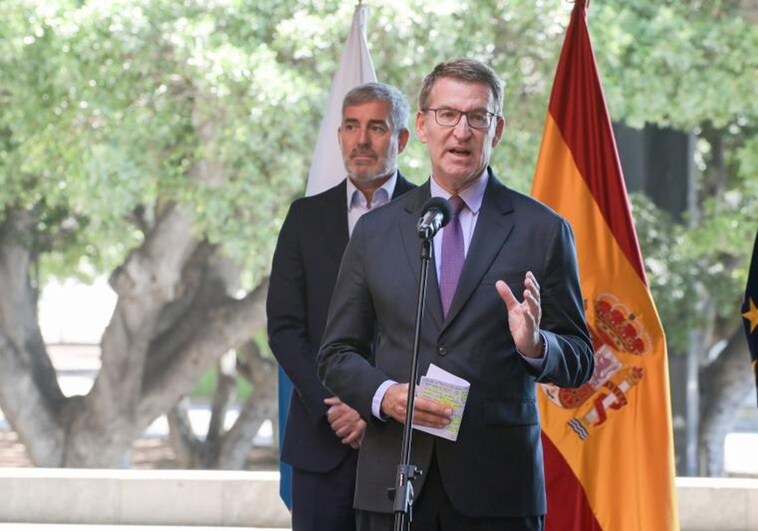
(442, 351)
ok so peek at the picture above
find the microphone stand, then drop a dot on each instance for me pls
(406, 472)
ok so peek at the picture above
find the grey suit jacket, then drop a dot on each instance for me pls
(495, 467)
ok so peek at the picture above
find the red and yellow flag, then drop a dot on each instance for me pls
(609, 458)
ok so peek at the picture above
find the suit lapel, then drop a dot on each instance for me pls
(335, 222)
(492, 229)
(412, 246)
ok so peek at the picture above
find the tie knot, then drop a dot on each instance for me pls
(456, 204)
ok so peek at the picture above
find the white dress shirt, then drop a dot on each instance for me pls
(357, 205)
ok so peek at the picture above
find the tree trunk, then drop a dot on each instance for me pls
(174, 316)
(185, 444)
(30, 396)
(172, 319)
(726, 383)
(105, 425)
(228, 449)
(259, 406)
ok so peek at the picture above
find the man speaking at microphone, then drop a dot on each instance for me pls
(503, 311)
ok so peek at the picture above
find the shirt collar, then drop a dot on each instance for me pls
(472, 195)
(355, 196)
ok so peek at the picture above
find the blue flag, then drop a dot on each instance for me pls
(285, 470)
(750, 312)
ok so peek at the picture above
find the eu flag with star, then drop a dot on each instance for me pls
(750, 311)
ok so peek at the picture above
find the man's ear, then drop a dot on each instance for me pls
(421, 126)
(402, 139)
(499, 128)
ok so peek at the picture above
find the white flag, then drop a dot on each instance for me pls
(356, 68)
(327, 169)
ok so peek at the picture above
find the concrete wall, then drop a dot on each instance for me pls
(251, 499)
(147, 497)
(718, 504)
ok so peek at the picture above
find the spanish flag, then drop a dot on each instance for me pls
(609, 458)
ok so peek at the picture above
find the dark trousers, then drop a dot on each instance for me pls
(323, 501)
(432, 511)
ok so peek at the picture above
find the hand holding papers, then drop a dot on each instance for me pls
(447, 389)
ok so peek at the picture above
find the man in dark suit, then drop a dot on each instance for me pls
(323, 434)
(497, 243)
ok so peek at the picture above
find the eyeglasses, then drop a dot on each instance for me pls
(451, 117)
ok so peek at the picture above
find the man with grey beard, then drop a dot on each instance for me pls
(323, 433)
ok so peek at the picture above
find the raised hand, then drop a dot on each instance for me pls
(524, 317)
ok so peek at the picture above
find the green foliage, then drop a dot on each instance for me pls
(205, 387)
(692, 267)
(111, 108)
(691, 66)
(675, 63)
(108, 109)
(671, 263)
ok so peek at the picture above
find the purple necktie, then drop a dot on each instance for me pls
(452, 255)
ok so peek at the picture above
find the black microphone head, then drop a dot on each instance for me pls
(440, 204)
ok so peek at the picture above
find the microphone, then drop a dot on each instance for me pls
(434, 215)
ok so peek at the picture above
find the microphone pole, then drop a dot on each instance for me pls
(406, 472)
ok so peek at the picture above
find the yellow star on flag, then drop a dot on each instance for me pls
(752, 315)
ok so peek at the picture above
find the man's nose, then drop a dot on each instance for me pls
(462, 129)
(364, 138)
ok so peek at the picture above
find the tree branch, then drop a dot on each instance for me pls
(259, 406)
(144, 283)
(729, 382)
(222, 327)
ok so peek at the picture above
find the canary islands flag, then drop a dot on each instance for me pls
(327, 169)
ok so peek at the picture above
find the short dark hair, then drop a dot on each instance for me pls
(463, 69)
(380, 91)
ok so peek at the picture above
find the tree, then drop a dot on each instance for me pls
(690, 65)
(163, 141)
(137, 135)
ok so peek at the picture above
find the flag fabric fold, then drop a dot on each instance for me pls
(327, 169)
(609, 459)
(750, 312)
(356, 68)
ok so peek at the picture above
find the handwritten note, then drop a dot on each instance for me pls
(449, 390)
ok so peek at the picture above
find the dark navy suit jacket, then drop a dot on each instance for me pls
(303, 273)
(495, 468)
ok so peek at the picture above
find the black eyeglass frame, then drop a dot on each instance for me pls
(489, 115)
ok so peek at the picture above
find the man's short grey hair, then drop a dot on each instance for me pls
(369, 92)
(463, 69)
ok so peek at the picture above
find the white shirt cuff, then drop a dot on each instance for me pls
(376, 403)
